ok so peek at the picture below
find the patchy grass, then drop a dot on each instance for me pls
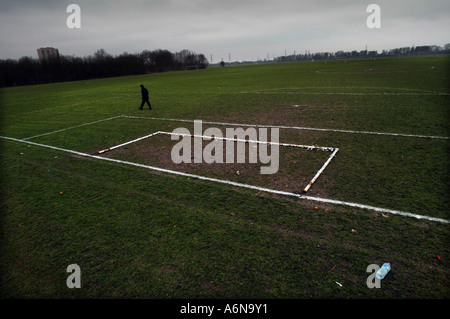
(138, 233)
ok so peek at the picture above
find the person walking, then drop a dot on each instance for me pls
(145, 99)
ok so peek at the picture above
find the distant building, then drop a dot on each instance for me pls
(47, 54)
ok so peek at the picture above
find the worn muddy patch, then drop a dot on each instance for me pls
(296, 167)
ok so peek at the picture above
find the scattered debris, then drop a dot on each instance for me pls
(340, 285)
(333, 267)
(439, 257)
(353, 230)
(238, 173)
(385, 216)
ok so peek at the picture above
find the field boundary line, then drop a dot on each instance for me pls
(290, 127)
(262, 189)
(72, 127)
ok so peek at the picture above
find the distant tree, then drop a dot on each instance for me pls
(164, 60)
(27, 71)
(129, 64)
(202, 61)
(447, 48)
(101, 55)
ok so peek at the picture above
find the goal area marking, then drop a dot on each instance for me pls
(333, 150)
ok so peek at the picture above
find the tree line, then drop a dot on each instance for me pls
(404, 51)
(28, 70)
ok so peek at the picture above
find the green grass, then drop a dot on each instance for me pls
(138, 233)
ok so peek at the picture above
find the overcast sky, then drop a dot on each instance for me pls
(244, 29)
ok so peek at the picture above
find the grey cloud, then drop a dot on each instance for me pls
(218, 27)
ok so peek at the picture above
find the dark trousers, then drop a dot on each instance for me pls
(148, 103)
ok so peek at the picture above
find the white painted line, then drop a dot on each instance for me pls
(342, 93)
(126, 143)
(304, 91)
(321, 170)
(290, 127)
(262, 189)
(72, 127)
(298, 88)
(308, 147)
(58, 107)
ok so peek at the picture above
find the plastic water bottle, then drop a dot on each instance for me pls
(382, 272)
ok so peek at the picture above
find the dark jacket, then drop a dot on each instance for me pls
(144, 92)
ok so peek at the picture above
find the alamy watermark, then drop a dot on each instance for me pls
(214, 151)
(374, 19)
(74, 280)
(372, 281)
(74, 19)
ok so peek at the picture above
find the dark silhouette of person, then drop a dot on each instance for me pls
(145, 99)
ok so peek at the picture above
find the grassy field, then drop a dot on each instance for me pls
(141, 233)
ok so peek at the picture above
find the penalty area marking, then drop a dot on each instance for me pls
(376, 70)
(262, 189)
(72, 127)
(288, 127)
(241, 124)
(306, 90)
(334, 150)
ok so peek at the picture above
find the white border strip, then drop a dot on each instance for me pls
(290, 127)
(268, 190)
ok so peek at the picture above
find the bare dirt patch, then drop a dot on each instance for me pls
(296, 166)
